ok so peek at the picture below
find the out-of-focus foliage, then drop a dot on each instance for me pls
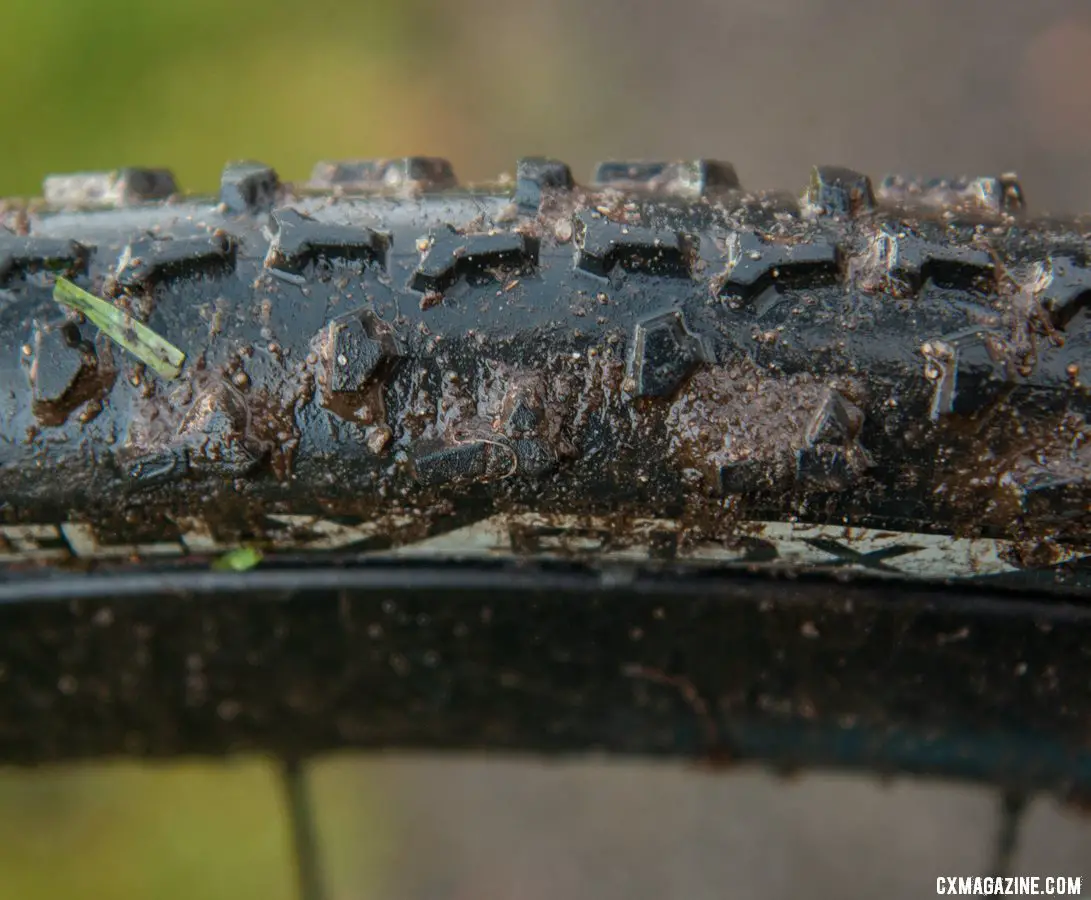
(188, 85)
(178, 832)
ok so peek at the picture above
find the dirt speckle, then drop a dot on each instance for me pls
(379, 439)
(739, 414)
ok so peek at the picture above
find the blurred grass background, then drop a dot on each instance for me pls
(189, 830)
(104, 84)
(188, 85)
(773, 85)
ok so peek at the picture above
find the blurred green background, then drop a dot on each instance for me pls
(189, 85)
(773, 85)
(122, 831)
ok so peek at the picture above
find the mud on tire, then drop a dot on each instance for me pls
(660, 366)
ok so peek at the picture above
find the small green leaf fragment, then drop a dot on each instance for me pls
(121, 327)
(241, 560)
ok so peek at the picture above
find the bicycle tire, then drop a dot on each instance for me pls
(657, 372)
(661, 348)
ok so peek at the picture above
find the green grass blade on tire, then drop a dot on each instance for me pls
(123, 329)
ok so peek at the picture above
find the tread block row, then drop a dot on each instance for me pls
(362, 349)
(1068, 290)
(251, 187)
(123, 187)
(25, 255)
(536, 174)
(664, 354)
(602, 244)
(248, 187)
(917, 259)
(146, 263)
(450, 256)
(691, 178)
(417, 172)
(299, 240)
(969, 370)
(837, 191)
(995, 194)
(754, 261)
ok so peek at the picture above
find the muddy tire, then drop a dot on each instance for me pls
(661, 366)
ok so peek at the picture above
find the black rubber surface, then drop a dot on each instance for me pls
(970, 683)
(381, 345)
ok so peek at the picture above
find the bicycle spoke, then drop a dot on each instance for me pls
(304, 835)
(1013, 805)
